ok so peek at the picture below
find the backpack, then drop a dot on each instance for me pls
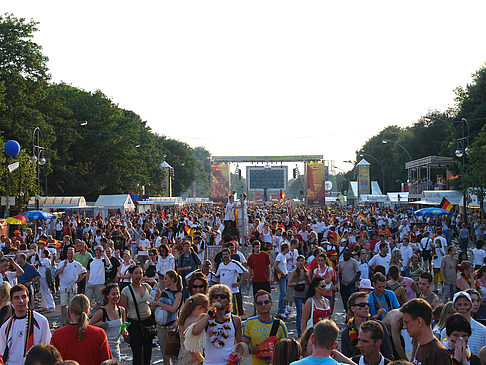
(162, 316)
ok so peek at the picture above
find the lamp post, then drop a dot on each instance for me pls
(361, 154)
(461, 152)
(385, 141)
(38, 159)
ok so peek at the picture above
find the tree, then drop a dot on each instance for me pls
(475, 176)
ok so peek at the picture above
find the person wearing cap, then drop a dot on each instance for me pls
(365, 286)
(417, 320)
(359, 308)
(17, 238)
(463, 305)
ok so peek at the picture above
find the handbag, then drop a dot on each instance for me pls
(149, 327)
(173, 344)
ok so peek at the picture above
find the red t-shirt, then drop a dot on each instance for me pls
(313, 265)
(259, 265)
(93, 349)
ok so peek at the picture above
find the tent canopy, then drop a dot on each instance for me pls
(121, 201)
(58, 202)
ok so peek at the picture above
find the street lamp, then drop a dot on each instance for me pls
(362, 154)
(461, 152)
(38, 159)
(385, 141)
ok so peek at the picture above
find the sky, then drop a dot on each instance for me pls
(265, 77)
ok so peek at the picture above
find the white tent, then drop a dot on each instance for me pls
(58, 202)
(113, 204)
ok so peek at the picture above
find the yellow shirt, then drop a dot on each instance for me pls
(258, 331)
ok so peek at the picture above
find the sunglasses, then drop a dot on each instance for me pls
(322, 286)
(362, 305)
(219, 296)
(202, 286)
(263, 302)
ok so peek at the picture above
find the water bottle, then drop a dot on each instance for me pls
(153, 293)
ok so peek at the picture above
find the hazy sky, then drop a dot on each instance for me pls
(265, 77)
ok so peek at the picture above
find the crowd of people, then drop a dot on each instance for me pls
(411, 289)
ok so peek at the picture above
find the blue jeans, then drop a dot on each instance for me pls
(282, 286)
(299, 303)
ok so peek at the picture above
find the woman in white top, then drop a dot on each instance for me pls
(437, 255)
(165, 261)
(123, 275)
(47, 302)
(111, 317)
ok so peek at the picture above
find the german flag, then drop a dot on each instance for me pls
(446, 204)
(282, 195)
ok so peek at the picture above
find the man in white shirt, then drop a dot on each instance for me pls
(23, 330)
(282, 275)
(95, 277)
(70, 273)
(383, 258)
(230, 231)
(6, 274)
(406, 252)
(232, 274)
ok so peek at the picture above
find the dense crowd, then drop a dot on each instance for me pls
(412, 288)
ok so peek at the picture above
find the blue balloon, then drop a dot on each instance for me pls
(12, 148)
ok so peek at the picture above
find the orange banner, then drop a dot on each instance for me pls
(220, 181)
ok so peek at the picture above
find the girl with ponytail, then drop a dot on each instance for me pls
(79, 340)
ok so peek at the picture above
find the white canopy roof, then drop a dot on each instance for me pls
(57, 202)
(121, 201)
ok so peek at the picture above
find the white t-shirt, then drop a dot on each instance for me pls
(145, 244)
(380, 260)
(228, 274)
(16, 337)
(292, 264)
(10, 276)
(406, 252)
(478, 256)
(282, 263)
(96, 268)
(164, 265)
(70, 274)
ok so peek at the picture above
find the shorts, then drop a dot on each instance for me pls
(65, 295)
(93, 292)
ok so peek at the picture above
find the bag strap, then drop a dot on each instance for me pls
(134, 301)
(105, 315)
(274, 329)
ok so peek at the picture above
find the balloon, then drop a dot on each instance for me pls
(12, 148)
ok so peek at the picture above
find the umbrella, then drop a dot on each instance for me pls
(16, 219)
(431, 211)
(34, 215)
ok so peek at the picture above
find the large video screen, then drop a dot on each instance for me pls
(273, 179)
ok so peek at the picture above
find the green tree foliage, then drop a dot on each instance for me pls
(475, 177)
(116, 152)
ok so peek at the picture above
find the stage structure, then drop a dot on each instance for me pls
(270, 177)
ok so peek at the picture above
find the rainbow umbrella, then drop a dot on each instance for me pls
(16, 219)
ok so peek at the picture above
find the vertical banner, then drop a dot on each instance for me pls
(220, 181)
(364, 184)
(316, 179)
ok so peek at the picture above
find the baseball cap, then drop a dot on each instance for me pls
(462, 294)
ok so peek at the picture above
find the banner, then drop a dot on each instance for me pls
(220, 181)
(364, 184)
(316, 179)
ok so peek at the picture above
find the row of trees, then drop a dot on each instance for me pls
(114, 152)
(435, 134)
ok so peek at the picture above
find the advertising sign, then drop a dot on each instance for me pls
(220, 181)
(364, 185)
(316, 182)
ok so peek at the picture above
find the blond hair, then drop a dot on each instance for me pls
(225, 289)
(79, 306)
(190, 305)
(4, 293)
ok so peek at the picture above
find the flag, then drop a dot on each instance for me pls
(163, 213)
(282, 195)
(189, 231)
(362, 216)
(446, 204)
